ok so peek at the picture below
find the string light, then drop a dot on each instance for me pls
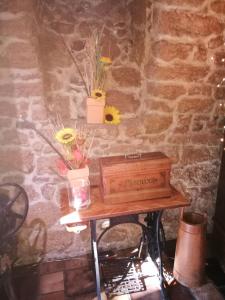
(221, 108)
(219, 85)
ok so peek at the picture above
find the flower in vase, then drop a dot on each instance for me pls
(98, 94)
(75, 145)
(61, 167)
(106, 60)
(112, 115)
(77, 160)
(65, 136)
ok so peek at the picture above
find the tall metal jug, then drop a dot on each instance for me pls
(189, 263)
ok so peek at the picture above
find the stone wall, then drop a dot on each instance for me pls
(166, 67)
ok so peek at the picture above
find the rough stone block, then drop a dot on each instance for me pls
(127, 76)
(195, 105)
(165, 91)
(218, 7)
(185, 72)
(125, 102)
(19, 55)
(168, 51)
(156, 123)
(179, 23)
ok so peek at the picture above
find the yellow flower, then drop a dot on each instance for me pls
(98, 94)
(106, 60)
(112, 115)
(65, 136)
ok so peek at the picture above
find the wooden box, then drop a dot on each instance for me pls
(132, 178)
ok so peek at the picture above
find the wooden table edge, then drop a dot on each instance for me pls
(99, 210)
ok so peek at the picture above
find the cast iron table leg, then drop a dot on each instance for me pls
(95, 257)
(160, 264)
(155, 242)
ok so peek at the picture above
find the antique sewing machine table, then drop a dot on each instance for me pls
(128, 213)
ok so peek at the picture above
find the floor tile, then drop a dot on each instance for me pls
(53, 282)
(215, 272)
(51, 267)
(207, 292)
(79, 281)
(76, 277)
(78, 262)
(52, 296)
(146, 295)
(87, 296)
(25, 282)
(179, 292)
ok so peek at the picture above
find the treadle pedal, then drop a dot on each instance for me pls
(122, 277)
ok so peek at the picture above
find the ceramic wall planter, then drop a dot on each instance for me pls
(95, 111)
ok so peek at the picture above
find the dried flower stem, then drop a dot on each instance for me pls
(29, 125)
(91, 143)
(76, 64)
(69, 52)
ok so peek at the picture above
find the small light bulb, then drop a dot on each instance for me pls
(218, 85)
(221, 139)
(223, 59)
(212, 58)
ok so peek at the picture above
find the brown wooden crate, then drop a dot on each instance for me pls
(130, 179)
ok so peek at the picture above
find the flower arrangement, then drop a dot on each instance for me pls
(72, 162)
(94, 79)
(74, 145)
(93, 72)
(95, 67)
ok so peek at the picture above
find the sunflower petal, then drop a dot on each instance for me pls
(112, 115)
(98, 94)
(65, 136)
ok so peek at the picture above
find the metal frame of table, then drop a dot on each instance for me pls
(128, 213)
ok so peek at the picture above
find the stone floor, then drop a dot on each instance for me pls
(73, 280)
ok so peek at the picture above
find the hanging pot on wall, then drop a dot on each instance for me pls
(95, 110)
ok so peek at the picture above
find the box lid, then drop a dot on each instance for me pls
(124, 165)
(154, 157)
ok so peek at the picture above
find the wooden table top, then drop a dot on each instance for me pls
(100, 210)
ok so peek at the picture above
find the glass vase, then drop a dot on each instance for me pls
(80, 188)
(80, 194)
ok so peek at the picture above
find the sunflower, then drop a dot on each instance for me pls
(105, 60)
(65, 136)
(98, 94)
(112, 115)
